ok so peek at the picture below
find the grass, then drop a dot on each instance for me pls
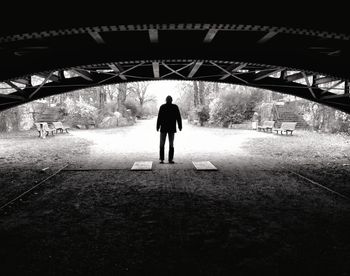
(303, 145)
(14, 149)
(322, 157)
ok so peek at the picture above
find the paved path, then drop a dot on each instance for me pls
(120, 147)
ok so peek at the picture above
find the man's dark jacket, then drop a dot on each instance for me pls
(167, 116)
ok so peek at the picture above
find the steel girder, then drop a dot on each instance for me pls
(308, 63)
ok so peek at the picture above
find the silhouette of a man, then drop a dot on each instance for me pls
(168, 115)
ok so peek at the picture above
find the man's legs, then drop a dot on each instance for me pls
(161, 146)
(171, 137)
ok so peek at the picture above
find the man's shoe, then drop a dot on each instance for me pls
(161, 162)
(171, 162)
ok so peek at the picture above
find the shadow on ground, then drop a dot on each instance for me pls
(179, 223)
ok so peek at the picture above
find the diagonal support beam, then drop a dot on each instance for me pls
(153, 35)
(53, 78)
(346, 87)
(122, 72)
(239, 67)
(41, 85)
(132, 68)
(97, 37)
(61, 75)
(265, 74)
(173, 71)
(155, 66)
(326, 89)
(210, 35)
(82, 74)
(323, 80)
(25, 81)
(177, 70)
(195, 69)
(227, 72)
(309, 86)
(267, 37)
(117, 70)
(13, 85)
(296, 76)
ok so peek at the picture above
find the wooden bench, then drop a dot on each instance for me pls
(60, 127)
(38, 128)
(44, 129)
(287, 127)
(266, 126)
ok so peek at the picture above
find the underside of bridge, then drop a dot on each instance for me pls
(305, 60)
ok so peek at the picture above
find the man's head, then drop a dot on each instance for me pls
(169, 99)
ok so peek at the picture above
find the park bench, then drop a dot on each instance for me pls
(286, 127)
(44, 129)
(266, 126)
(60, 127)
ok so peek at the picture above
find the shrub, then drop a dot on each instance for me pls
(232, 108)
(132, 106)
(81, 112)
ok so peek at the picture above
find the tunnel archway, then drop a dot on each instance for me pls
(304, 60)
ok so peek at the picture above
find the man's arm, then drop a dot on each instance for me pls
(178, 118)
(159, 118)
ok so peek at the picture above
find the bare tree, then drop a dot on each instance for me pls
(111, 90)
(139, 90)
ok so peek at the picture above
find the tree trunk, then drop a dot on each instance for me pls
(216, 89)
(195, 94)
(201, 93)
(122, 97)
(102, 98)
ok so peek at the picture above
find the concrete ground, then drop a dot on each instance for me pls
(96, 217)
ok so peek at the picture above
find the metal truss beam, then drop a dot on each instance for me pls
(309, 86)
(227, 72)
(296, 76)
(237, 68)
(176, 71)
(155, 66)
(117, 70)
(323, 80)
(185, 70)
(267, 37)
(153, 35)
(83, 74)
(264, 74)
(53, 77)
(195, 69)
(210, 35)
(97, 37)
(10, 83)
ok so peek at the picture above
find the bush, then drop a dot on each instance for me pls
(81, 112)
(232, 108)
(132, 106)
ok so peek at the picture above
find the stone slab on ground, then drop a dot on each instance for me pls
(142, 166)
(204, 166)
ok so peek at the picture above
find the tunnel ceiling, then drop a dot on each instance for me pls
(308, 60)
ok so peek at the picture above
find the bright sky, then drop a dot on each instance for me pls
(161, 89)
